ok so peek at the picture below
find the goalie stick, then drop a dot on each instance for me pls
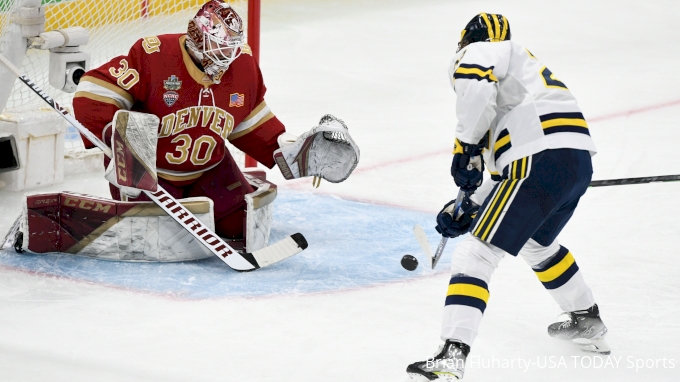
(235, 260)
(625, 181)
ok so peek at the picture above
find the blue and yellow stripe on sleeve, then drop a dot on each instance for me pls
(564, 122)
(558, 271)
(475, 72)
(470, 291)
(503, 144)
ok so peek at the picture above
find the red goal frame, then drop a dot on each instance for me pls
(254, 43)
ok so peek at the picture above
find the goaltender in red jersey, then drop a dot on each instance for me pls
(166, 109)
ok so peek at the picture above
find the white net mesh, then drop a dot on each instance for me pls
(113, 27)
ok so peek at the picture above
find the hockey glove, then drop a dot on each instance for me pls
(450, 226)
(467, 167)
(326, 151)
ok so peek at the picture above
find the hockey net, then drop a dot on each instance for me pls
(113, 28)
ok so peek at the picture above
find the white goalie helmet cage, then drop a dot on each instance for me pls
(216, 34)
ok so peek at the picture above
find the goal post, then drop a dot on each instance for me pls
(113, 27)
(254, 42)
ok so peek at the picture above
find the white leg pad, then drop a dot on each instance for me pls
(259, 212)
(110, 230)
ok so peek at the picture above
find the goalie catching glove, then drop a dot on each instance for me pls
(327, 151)
(450, 226)
(134, 137)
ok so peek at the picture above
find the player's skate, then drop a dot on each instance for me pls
(584, 328)
(448, 364)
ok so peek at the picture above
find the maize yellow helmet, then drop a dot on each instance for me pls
(485, 27)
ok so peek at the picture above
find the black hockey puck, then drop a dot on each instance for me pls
(409, 262)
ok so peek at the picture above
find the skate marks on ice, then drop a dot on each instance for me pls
(351, 245)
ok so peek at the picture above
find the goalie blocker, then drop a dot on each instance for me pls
(130, 231)
(134, 139)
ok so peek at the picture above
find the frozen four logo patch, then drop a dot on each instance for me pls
(172, 83)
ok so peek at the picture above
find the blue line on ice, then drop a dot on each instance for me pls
(351, 245)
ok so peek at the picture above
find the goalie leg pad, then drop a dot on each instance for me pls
(259, 211)
(110, 230)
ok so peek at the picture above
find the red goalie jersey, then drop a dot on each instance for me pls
(159, 77)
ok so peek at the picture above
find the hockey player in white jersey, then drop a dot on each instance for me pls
(518, 119)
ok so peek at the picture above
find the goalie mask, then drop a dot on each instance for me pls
(215, 36)
(485, 27)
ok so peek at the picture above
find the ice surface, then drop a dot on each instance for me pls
(327, 314)
(346, 251)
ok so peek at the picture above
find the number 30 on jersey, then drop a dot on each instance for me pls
(196, 152)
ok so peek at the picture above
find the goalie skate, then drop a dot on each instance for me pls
(447, 365)
(584, 329)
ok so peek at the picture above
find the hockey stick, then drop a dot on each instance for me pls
(625, 181)
(419, 233)
(439, 251)
(442, 243)
(237, 261)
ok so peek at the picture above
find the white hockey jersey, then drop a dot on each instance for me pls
(505, 91)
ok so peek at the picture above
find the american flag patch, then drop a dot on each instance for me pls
(236, 100)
